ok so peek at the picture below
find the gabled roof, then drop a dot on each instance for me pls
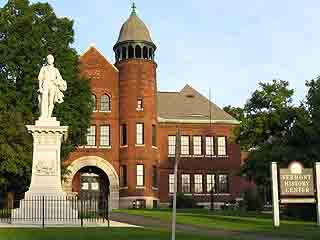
(189, 106)
(93, 49)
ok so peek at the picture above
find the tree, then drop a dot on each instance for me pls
(28, 33)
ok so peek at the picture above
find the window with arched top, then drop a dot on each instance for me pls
(145, 52)
(150, 53)
(138, 51)
(130, 52)
(105, 104)
(124, 53)
(94, 102)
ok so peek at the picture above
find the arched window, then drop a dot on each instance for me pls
(138, 51)
(145, 52)
(150, 53)
(105, 104)
(130, 52)
(94, 102)
(124, 53)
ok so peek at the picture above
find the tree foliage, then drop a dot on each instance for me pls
(273, 129)
(28, 33)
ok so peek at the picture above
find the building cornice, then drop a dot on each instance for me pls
(197, 121)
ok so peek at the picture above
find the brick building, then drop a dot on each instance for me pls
(130, 148)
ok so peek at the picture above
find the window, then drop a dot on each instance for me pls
(171, 183)
(105, 103)
(139, 104)
(105, 135)
(140, 175)
(154, 177)
(185, 183)
(91, 136)
(209, 146)
(94, 102)
(123, 176)
(210, 183)
(172, 145)
(223, 183)
(184, 145)
(123, 133)
(197, 145)
(154, 135)
(222, 146)
(198, 183)
(139, 134)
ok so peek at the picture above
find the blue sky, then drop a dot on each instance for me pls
(228, 46)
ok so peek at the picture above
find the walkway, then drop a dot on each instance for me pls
(150, 222)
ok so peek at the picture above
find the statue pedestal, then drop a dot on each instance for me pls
(45, 188)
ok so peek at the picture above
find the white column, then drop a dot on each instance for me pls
(275, 195)
(318, 190)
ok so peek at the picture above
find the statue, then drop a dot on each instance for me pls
(51, 86)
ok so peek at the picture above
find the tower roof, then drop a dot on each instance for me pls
(134, 29)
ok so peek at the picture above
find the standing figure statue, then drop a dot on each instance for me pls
(51, 86)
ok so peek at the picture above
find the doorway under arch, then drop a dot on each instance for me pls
(99, 165)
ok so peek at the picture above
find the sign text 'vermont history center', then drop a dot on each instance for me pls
(296, 184)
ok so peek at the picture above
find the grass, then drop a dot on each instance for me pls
(97, 234)
(260, 224)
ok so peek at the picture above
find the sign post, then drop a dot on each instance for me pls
(297, 185)
(275, 195)
(318, 191)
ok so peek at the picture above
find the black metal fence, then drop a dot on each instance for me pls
(56, 210)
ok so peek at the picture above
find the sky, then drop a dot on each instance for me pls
(226, 46)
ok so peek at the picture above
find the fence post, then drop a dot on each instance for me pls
(42, 211)
(81, 211)
(108, 212)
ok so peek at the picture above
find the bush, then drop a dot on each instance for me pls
(302, 211)
(252, 200)
(184, 201)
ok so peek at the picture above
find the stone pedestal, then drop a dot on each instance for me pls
(45, 188)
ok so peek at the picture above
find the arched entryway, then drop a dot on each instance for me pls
(99, 167)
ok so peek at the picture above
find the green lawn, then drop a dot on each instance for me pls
(97, 234)
(236, 221)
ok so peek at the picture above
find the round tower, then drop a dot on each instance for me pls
(139, 156)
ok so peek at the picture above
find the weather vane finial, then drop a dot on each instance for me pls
(133, 7)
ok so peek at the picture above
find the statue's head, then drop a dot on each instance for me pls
(50, 59)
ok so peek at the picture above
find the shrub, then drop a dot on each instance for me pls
(252, 200)
(184, 201)
(301, 211)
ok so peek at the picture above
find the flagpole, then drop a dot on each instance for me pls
(174, 203)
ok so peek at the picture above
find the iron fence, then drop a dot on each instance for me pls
(46, 210)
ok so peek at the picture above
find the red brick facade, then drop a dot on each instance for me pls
(126, 82)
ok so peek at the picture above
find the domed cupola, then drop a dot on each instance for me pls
(134, 40)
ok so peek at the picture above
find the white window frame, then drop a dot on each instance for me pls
(171, 183)
(105, 136)
(185, 183)
(209, 146)
(223, 183)
(211, 183)
(197, 145)
(171, 145)
(92, 136)
(221, 146)
(105, 103)
(94, 99)
(198, 187)
(140, 175)
(139, 104)
(139, 133)
(185, 145)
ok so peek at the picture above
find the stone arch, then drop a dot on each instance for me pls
(105, 166)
